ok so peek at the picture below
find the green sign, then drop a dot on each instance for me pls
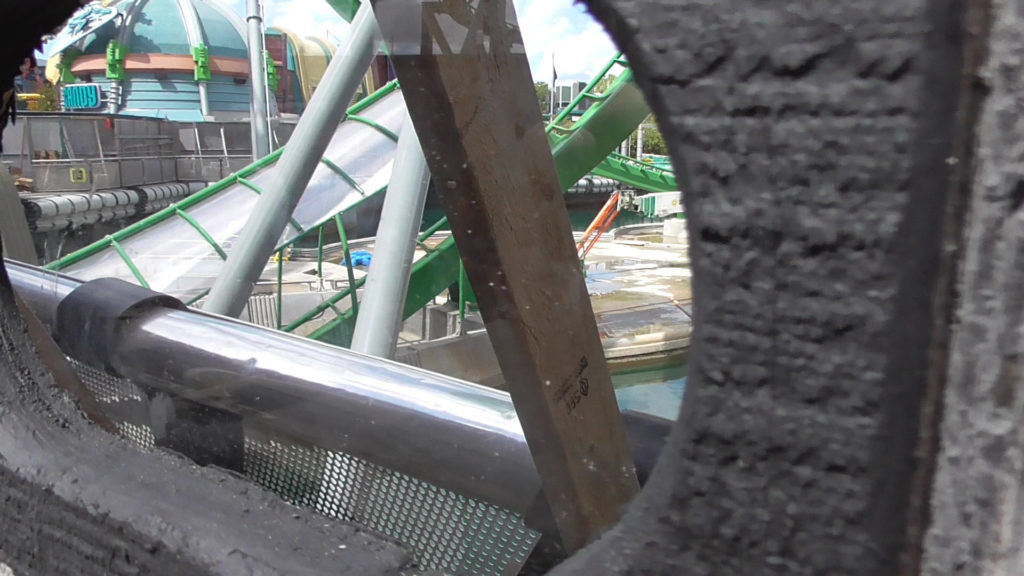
(81, 96)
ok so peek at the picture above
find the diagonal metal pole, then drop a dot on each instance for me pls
(300, 158)
(380, 314)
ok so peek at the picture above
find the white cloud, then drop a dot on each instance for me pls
(580, 44)
(304, 17)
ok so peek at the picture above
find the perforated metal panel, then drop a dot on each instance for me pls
(446, 531)
(106, 388)
(123, 401)
(141, 435)
(443, 530)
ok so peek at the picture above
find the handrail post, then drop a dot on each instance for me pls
(348, 263)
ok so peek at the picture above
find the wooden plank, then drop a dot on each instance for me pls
(471, 98)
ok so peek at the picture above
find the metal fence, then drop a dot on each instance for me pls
(78, 153)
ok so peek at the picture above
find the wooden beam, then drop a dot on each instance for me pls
(466, 79)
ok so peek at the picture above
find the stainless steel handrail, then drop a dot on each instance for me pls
(453, 434)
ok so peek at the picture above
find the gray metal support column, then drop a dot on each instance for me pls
(114, 97)
(300, 158)
(259, 107)
(380, 313)
(17, 239)
(194, 31)
(116, 91)
(204, 99)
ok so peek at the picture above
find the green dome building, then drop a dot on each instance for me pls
(182, 60)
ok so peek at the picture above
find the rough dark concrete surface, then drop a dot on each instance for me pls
(815, 143)
(75, 500)
(825, 148)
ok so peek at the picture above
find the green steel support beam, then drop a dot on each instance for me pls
(345, 8)
(241, 177)
(317, 125)
(344, 176)
(348, 264)
(640, 175)
(128, 262)
(610, 120)
(202, 232)
(374, 125)
(259, 192)
(599, 131)
(430, 276)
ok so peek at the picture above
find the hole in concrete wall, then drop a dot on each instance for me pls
(637, 273)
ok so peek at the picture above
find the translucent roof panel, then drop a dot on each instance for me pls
(159, 29)
(221, 35)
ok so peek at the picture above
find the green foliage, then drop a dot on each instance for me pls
(604, 84)
(543, 96)
(654, 142)
(50, 100)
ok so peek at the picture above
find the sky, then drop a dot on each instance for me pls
(580, 45)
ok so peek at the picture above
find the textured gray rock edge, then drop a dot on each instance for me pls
(75, 500)
(813, 138)
(978, 523)
(804, 129)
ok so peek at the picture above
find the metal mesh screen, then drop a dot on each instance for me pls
(123, 401)
(106, 388)
(141, 435)
(448, 532)
(443, 530)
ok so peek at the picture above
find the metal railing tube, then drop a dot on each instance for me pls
(41, 289)
(453, 434)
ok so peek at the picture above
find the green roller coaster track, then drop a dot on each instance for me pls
(582, 147)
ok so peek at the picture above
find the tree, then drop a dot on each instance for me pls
(604, 83)
(50, 101)
(543, 96)
(654, 143)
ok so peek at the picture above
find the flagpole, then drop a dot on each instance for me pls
(554, 78)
